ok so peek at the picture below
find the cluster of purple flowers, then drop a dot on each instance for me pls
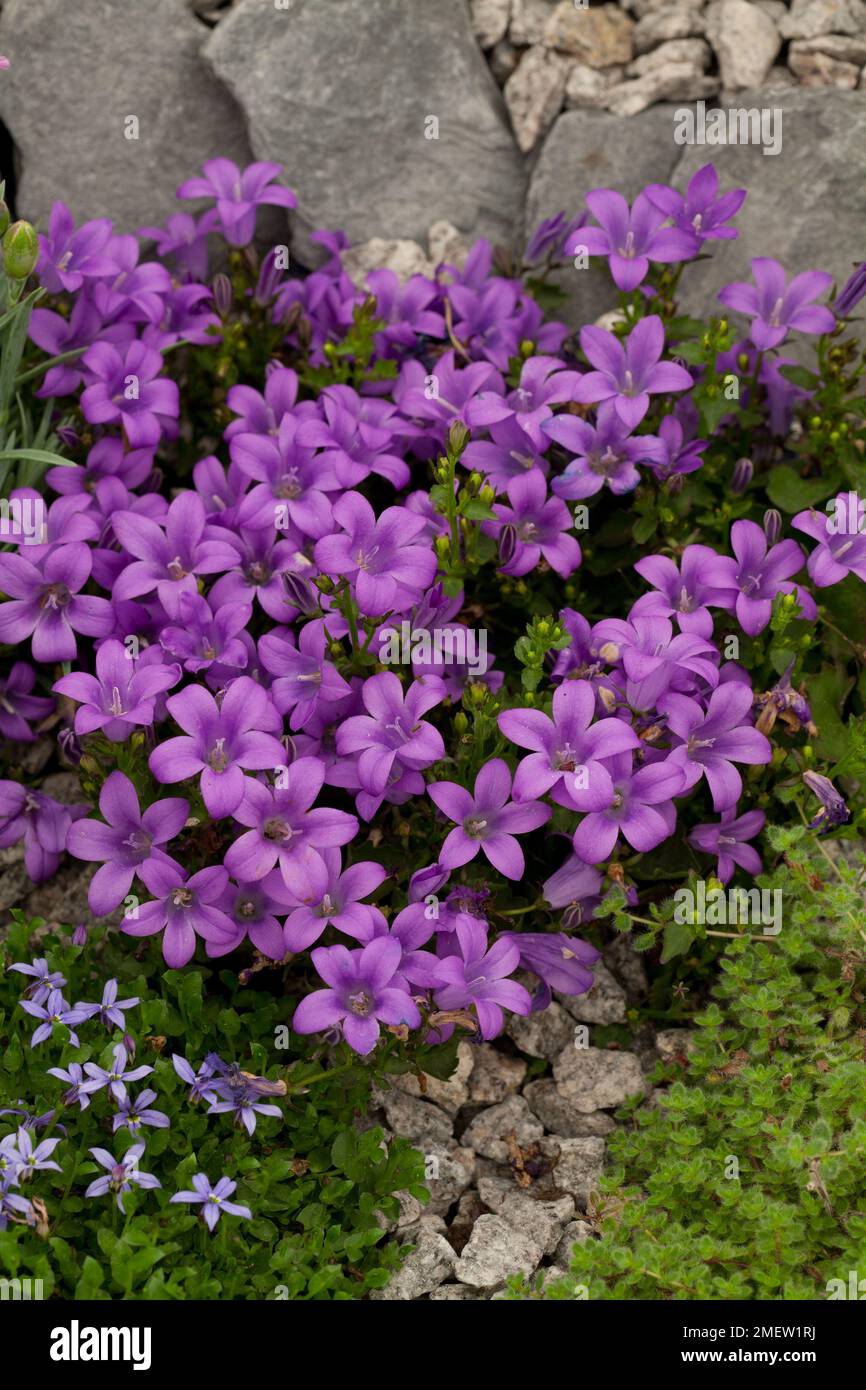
(281, 540)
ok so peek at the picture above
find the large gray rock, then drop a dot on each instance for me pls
(590, 1079)
(423, 1270)
(806, 205)
(347, 97)
(74, 81)
(496, 1250)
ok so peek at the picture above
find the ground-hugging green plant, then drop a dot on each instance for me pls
(745, 1178)
(318, 1192)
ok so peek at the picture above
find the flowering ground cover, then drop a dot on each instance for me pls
(270, 539)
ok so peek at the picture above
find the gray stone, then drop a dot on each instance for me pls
(671, 22)
(600, 36)
(350, 97)
(668, 81)
(809, 18)
(627, 965)
(593, 149)
(422, 1123)
(448, 1095)
(807, 203)
(427, 1221)
(820, 70)
(494, 1190)
(779, 77)
(588, 86)
(776, 9)
(529, 20)
(495, 1075)
(575, 1233)
(450, 1168)
(845, 48)
(404, 257)
(534, 94)
(469, 1208)
(560, 1117)
(542, 1221)
(454, 1293)
(645, 7)
(604, 1003)
(489, 1131)
(594, 1079)
(490, 20)
(579, 1168)
(409, 1214)
(495, 1251)
(694, 53)
(503, 59)
(542, 1034)
(674, 1043)
(445, 244)
(746, 42)
(423, 1270)
(104, 61)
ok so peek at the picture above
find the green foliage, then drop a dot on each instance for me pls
(747, 1179)
(317, 1188)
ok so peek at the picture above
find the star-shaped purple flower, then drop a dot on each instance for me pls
(361, 992)
(486, 820)
(628, 375)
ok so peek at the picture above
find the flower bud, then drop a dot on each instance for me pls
(461, 723)
(458, 436)
(20, 250)
(507, 544)
(772, 525)
(487, 494)
(742, 476)
(299, 593)
(4, 218)
(222, 294)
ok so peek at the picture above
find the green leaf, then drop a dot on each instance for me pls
(677, 939)
(791, 493)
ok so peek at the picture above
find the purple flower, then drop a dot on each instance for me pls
(220, 742)
(305, 680)
(110, 1009)
(185, 238)
(356, 438)
(377, 554)
(638, 806)
(360, 993)
(56, 1010)
(686, 593)
(339, 905)
(284, 831)
(630, 237)
(727, 839)
(654, 660)
(841, 549)
(128, 840)
(539, 523)
(40, 821)
(45, 602)
(114, 1079)
(604, 454)
(182, 908)
(35, 1158)
(392, 731)
(238, 193)
(132, 1114)
(628, 375)
(508, 453)
(565, 743)
(214, 1199)
(759, 575)
(200, 1081)
(712, 740)
(550, 237)
(122, 1175)
(833, 809)
(676, 454)
(240, 1094)
(436, 400)
(775, 306)
(486, 820)
(475, 976)
(68, 256)
(200, 636)
(560, 962)
(130, 391)
(79, 1086)
(700, 211)
(187, 547)
(18, 706)
(45, 979)
(123, 692)
(13, 1207)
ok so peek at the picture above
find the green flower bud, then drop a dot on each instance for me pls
(461, 723)
(487, 494)
(20, 250)
(4, 217)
